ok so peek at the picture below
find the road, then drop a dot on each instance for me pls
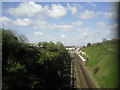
(80, 76)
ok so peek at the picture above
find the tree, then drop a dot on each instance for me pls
(88, 45)
(10, 44)
(104, 39)
(59, 43)
(31, 68)
(22, 38)
(44, 44)
(39, 44)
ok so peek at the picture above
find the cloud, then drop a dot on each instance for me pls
(41, 24)
(63, 36)
(37, 24)
(114, 27)
(84, 35)
(65, 27)
(99, 13)
(83, 32)
(23, 22)
(113, 8)
(45, 25)
(73, 9)
(78, 5)
(38, 33)
(6, 21)
(83, 29)
(31, 9)
(18, 22)
(110, 14)
(88, 15)
(79, 23)
(26, 9)
(101, 24)
(92, 4)
(57, 11)
(112, 31)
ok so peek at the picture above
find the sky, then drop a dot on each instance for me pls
(72, 23)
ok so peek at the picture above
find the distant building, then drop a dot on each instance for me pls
(114, 40)
(70, 48)
(34, 45)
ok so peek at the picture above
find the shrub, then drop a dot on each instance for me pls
(96, 69)
(88, 45)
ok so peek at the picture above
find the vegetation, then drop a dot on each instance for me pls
(88, 45)
(104, 39)
(25, 67)
(103, 62)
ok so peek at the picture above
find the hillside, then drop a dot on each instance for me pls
(103, 63)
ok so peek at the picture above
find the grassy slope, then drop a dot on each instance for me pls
(103, 56)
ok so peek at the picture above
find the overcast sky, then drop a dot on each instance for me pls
(70, 23)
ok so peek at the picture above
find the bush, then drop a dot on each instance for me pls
(88, 45)
(96, 69)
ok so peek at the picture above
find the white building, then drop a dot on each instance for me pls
(70, 48)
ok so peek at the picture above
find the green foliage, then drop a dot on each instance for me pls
(14, 67)
(88, 45)
(26, 67)
(96, 69)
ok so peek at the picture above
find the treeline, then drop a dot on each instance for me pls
(25, 67)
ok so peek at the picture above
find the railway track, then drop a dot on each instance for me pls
(83, 79)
